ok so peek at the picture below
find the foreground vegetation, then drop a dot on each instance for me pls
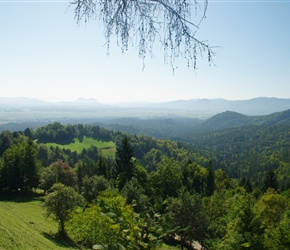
(24, 226)
(150, 193)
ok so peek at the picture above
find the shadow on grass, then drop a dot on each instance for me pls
(20, 196)
(60, 240)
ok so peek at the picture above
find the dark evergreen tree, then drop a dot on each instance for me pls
(85, 168)
(6, 139)
(210, 186)
(102, 166)
(30, 166)
(20, 167)
(245, 183)
(270, 181)
(29, 133)
(124, 167)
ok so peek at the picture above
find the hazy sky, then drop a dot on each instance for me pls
(44, 54)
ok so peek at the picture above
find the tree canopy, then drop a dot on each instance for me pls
(155, 191)
(20, 167)
(60, 202)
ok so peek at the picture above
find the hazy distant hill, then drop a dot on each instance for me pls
(189, 108)
(256, 106)
(157, 127)
(231, 119)
(24, 102)
(20, 102)
(227, 119)
(15, 112)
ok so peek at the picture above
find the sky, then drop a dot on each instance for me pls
(44, 54)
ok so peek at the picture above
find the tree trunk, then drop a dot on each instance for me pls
(62, 229)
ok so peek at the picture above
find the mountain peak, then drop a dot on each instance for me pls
(87, 100)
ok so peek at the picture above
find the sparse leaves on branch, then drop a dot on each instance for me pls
(144, 22)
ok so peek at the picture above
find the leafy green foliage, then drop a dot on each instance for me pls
(134, 194)
(167, 180)
(195, 177)
(268, 212)
(186, 216)
(93, 186)
(237, 222)
(109, 223)
(60, 201)
(104, 223)
(58, 172)
(279, 237)
(91, 226)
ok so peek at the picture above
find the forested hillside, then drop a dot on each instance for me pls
(243, 146)
(231, 119)
(227, 189)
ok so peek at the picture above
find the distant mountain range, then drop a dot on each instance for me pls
(190, 108)
(173, 126)
(256, 106)
(24, 102)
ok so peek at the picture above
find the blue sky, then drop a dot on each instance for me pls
(44, 54)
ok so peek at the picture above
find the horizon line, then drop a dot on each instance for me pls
(71, 100)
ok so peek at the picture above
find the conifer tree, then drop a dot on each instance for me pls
(270, 181)
(124, 167)
(210, 181)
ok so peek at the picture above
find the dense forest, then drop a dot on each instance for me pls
(227, 188)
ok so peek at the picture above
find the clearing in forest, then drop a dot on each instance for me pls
(107, 148)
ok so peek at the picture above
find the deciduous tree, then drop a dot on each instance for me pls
(105, 222)
(167, 180)
(186, 217)
(268, 211)
(60, 202)
(58, 172)
(92, 186)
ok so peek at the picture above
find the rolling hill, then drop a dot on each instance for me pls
(230, 119)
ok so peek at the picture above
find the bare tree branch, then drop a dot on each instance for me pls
(145, 20)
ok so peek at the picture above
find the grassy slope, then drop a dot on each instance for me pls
(107, 148)
(24, 226)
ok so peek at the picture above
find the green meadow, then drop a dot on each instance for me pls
(23, 225)
(107, 148)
